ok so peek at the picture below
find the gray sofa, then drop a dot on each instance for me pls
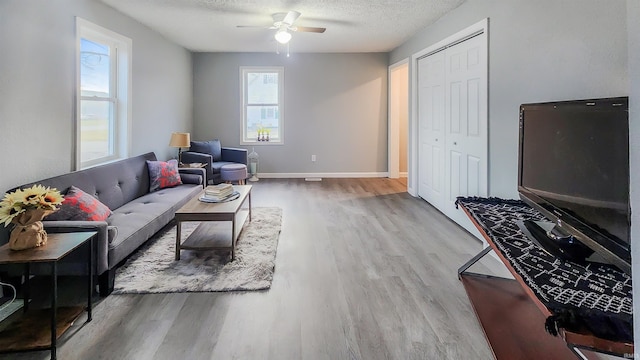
(137, 214)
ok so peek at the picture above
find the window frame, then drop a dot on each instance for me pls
(244, 71)
(120, 92)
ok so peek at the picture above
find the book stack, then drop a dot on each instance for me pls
(218, 193)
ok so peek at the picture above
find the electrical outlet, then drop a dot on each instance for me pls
(313, 158)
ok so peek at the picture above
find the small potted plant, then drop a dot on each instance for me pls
(25, 208)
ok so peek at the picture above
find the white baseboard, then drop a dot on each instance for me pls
(322, 175)
(404, 174)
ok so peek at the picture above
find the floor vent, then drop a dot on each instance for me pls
(313, 179)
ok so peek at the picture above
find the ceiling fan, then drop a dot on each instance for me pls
(283, 24)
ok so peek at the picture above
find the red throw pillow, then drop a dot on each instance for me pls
(80, 206)
(163, 174)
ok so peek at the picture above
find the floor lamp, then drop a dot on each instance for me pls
(180, 140)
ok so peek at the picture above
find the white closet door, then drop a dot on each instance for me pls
(431, 130)
(453, 131)
(466, 125)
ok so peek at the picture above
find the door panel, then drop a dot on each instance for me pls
(466, 134)
(473, 174)
(473, 101)
(454, 107)
(431, 128)
(456, 172)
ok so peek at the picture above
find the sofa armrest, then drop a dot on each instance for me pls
(236, 155)
(193, 175)
(102, 241)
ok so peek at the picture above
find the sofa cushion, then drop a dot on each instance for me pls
(163, 174)
(211, 147)
(139, 219)
(80, 206)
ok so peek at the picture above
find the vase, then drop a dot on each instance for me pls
(28, 231)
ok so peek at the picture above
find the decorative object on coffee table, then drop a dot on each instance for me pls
(253, 165)
(180, 140)
(25, 208)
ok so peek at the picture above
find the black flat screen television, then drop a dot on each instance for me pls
(574, 168)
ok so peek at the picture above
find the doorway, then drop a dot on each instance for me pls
(398, 119)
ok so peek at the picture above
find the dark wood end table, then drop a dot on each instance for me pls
(24, 334)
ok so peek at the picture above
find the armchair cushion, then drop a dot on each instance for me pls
(212, 147)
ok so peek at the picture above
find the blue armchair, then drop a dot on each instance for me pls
(214, 156)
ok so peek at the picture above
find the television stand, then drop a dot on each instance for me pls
(514, 312)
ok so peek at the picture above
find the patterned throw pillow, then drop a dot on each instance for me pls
(163, 174)
(80, 206)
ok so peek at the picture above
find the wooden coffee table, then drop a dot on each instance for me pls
(210, 234)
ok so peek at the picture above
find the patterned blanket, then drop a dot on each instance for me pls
(591, 295)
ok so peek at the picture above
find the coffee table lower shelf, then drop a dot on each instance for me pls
(32, 331)
(215, 235)
(512, 323)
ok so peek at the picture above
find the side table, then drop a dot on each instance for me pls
(26, 333)
(198, 168)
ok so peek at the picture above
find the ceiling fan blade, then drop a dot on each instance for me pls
(291, 17)
(255, 27)
(310, 29)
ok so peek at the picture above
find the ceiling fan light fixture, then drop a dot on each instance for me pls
(283, 36)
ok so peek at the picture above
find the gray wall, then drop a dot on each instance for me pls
(633, 26)
(37, 81)
(335, 107)
(551, 50)
(538, 51)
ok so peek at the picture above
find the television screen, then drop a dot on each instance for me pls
(574, 163)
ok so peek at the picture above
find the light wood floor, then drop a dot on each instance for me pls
(363, 271)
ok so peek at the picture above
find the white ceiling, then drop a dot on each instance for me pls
(352, 25)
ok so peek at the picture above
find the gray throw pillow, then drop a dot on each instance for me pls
(208, 147)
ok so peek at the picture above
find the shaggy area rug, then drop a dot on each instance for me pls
(153, 268)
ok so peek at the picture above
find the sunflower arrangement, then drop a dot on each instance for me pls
(22, 200)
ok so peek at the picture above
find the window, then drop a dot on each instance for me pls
(262, 104)
(103, 110)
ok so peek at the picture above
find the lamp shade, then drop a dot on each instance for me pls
(283, 36)
(180, 140)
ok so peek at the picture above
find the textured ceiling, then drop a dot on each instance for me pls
(352, 25)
